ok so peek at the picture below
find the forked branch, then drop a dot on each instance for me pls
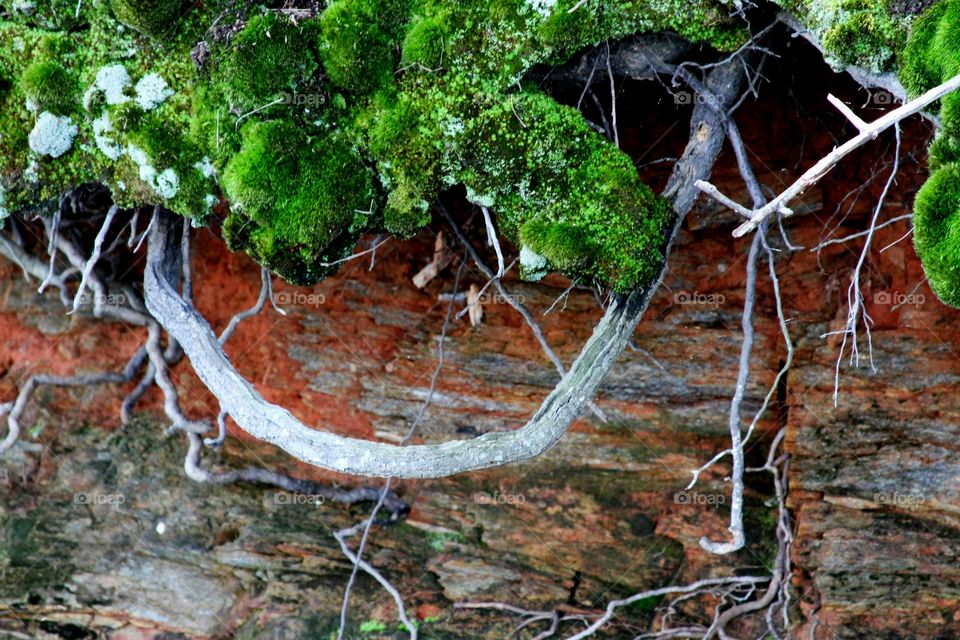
(867, 132)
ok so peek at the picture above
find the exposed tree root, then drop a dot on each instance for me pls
(120, 302)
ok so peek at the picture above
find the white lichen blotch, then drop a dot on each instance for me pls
(112, 81)
(52, 135)
(206, 167)
(107, 145)
(543, 7)
(165, 183)
(151, 91)
(533, 265)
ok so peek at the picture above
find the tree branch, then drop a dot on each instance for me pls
(276, 425)
(825, 164)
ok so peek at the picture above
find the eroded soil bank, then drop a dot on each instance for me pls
(872, 484)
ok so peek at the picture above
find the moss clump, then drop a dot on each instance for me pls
(320, 129)
(425, 42)
(931, 57)
(296, 203)
(564, 192)
(48, 87)
(871, 36)
(920, 71)
(597, 20)
(865, 33)
(358, 41)
(155, 18)
(410, 149)
(268, 57)
(936, 236)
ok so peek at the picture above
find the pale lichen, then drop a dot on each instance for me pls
(111, 83)
(105, 141)
(52, 135)
(151, 91)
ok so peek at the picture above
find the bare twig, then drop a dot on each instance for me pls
(171, 397)
(860, 234)
(52, 245)
(855, 303)
(31, 266)
(85, 380)
(613, 605)
(343, 534)
(613, 100)
(736, 436)
(369, 569)
(825, 164)
(492, 240)
(353, 256)
(252, 311)
(94, 257)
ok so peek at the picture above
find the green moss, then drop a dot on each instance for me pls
(412, 97)
(425, 42)
(270, 56)
(930, 58)
(944, 150)
(372, 626)
(936, 221)
(358, 41)
(564, 192)
(296, 203)
(53, 15)
(597, 20)
(865, 36)
(155, 18)
(442, 540)
(920, 71)
(409, 148)
(561, 243)
(859, 32)
(48, 87)
(211, 126)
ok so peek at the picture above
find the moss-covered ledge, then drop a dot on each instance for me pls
(317, 129)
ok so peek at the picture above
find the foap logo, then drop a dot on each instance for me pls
(898, 499)
(498, 298)
(98, 499)
(700, 499)
(696, 298)
(496, 498)
(682, 98)
(101, 299)
(301, 99)
(296, 498)
(881, 98)
(898, 299)
(299, 299)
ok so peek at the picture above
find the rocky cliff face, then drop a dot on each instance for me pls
(101, 533)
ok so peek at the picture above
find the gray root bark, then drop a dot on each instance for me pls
(276, 425)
